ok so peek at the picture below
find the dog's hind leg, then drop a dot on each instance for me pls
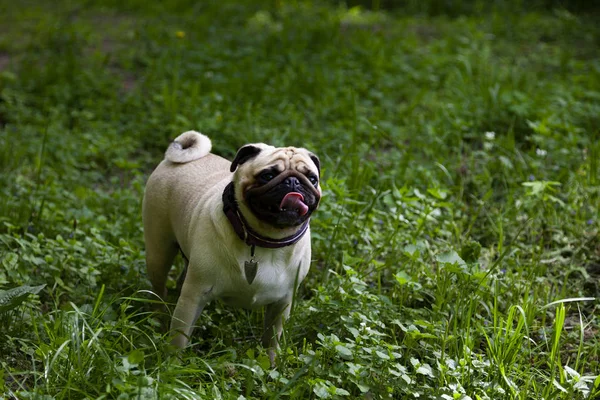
(159, 259)
(182, 275)
(161, 250)
(193, 298)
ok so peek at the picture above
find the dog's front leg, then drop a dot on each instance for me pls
(190, 304)
(275, 314)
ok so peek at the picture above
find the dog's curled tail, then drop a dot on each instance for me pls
(188, 146)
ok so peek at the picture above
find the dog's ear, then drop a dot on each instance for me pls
(315, 159)
(244, 154)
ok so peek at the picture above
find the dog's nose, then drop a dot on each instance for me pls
(292, 182)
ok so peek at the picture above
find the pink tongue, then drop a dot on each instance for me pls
(294, 201)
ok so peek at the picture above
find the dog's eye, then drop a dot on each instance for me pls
(267, 176)
(313, 179)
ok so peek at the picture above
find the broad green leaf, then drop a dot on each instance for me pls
(450, 257)
(344, 352)
(470, 251)
(136, 357)
(425, 369)
(437, 193)
(12, 298)
(321, 390)
(402, 278)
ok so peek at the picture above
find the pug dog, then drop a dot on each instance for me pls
(242, 227)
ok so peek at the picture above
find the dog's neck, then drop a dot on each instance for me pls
(246, 233)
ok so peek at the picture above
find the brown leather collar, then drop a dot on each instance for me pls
(246, 233)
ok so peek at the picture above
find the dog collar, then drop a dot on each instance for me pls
(246, 233)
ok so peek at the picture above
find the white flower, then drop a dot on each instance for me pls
(490, 135)
(541, 152)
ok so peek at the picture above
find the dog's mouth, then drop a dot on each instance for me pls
(281, 207)
(294, 202)
(291, 207)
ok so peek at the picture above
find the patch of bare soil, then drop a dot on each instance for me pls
(115, 26)
(426, 33)
(4, 61)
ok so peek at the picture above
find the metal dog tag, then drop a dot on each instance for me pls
(250, 268)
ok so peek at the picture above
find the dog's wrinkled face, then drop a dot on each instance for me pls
(280, 186)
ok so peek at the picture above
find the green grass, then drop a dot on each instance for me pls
(456, 251)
